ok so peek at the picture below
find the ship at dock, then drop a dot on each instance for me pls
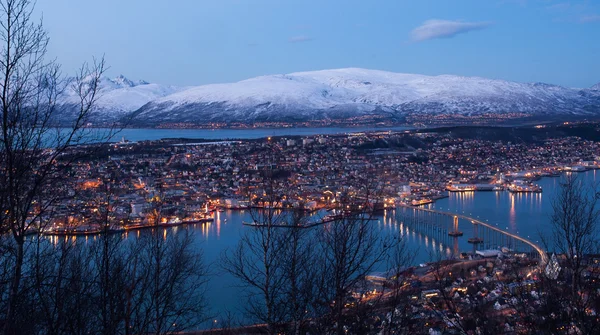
(520, 186)
(420, 202)
(472, 187)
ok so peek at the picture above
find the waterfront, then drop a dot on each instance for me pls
(193, 178)
(522, 213)
(317, 169)
(525, 214)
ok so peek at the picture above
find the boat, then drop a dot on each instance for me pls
(421, 202)
(521, 187)
(550, 173)
(174, 221)
(579, 168)
(78, 230)
(330, 218)
(485, 187)
(200, 220)
(470, 187)
(461, 188)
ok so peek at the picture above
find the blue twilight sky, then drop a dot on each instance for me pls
(192, 42)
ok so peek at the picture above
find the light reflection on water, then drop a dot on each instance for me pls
(527, 214)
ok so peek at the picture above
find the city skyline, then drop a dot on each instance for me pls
(206, 42)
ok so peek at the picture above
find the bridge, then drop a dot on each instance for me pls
(445, 226)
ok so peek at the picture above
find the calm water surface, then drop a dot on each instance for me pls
(525, 214)
(211, 134)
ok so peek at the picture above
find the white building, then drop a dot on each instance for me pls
(137, 208)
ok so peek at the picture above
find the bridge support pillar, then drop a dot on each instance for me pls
(475, 240)
(455, 232)
(455, 250)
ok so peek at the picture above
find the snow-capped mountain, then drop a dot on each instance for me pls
(330, 94)
(343, 93)
(119, 97)
(122, 82)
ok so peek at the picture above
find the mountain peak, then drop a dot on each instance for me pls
(122, 81)
(596, 87)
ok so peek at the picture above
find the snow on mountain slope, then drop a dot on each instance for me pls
(119, 96)
(128, 99)
(350, 92)
(596, 87)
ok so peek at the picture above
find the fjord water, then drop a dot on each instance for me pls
(528, 215)
(525, 214)
(135, 134)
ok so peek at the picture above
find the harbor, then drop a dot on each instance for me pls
(521, 214)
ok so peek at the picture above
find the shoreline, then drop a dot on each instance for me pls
(123, 229)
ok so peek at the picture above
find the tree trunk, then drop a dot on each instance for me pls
(14, 288)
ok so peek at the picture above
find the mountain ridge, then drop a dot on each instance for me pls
(354, 92)
(335, 94)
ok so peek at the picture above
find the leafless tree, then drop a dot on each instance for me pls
(298, 270)
(350, 247)
(257, 260)
(171, 278)
(574, 220)
(574, 238)
(62, 289)
(163, 291)
(110, 262)
(395, 299)
(30, 143)
(468, 313)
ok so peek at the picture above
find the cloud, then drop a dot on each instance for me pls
(301, 38)
(431, 29)
(589, 18)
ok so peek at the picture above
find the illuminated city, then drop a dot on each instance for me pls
(334, 167)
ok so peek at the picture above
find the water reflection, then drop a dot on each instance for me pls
(527, 214)
(513, 213)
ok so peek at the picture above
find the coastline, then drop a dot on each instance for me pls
(100, 231)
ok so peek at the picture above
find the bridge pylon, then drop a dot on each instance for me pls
(455, 232)
(475, 240)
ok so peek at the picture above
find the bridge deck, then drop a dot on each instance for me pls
(537, 248)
